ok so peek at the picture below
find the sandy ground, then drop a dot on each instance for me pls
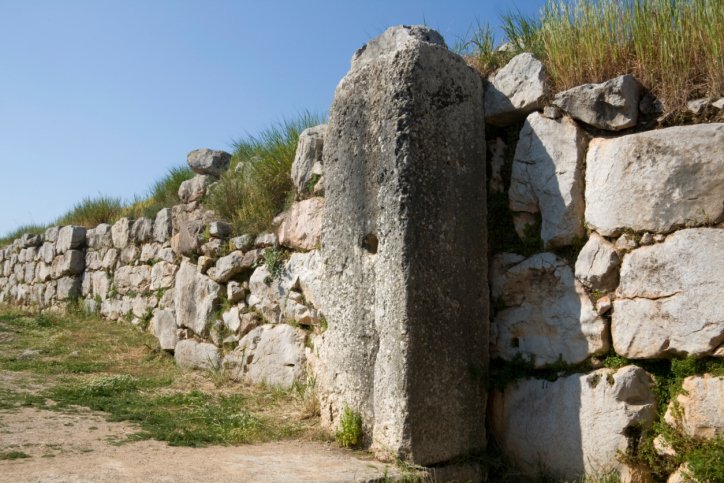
(79, 447)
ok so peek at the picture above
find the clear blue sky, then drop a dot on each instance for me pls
(102, 97)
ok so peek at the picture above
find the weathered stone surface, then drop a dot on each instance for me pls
(699, 410)
(142, 230)
(612, 105)
(100, 236)
(190, 354)
(308, 158)
(302, 225)
(110, 259)
(163, 275)
(266, 240)
(226, 267)
(163, 326)
(129, 254)
(100, 284)
(219, 229)
(195, 188)
(574, 425)
(666, 301)
(270, 354)
(69, 238)
(243, 242)
(69, 287)
(597, 264)
(162, 225)
(231, 319)
(208, 161)
(132, 278)
(121, 233)
(515, 90)
(72, 262)
(213, 248)
(190, 229)
(30, 240)
(196, 297)
(404, 159)
(235, 292)
(497, 149)
(547, 177)
(149, 252)
(656, 181)
(47, 252)
(547, 314)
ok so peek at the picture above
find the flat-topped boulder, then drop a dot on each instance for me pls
(515, 90)
(208, 161)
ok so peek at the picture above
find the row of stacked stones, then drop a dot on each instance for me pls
(647, 283)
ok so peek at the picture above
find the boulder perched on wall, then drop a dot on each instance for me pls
(404, 158)
(667, 303)
(612, 105)
(208, 161)
(544, 314)
(656, 181)
(573, 426)
(547, 177)
(307, 165)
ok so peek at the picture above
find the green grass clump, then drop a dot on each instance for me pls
(349, 434)
(13, 455)
(675, 48)
(91, 212)
(258, 186)
(118, 369)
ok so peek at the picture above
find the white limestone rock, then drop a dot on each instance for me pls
(121, 233)
(597, 264)
(515, 90)
(573, 426)
(226, 267)
(195, 298)
(142, 230)
(699, 410)
(308, 158)
(546, 314)
(132, 278)
(163, 326)
(666, 302)
(656, 181)
(547, 177)
(190, 354)
(100, 236)
(612, 105)
(163, 226)
(195, 188)
(69, 238)
(302, 225)
(269, 354)
(163, 275)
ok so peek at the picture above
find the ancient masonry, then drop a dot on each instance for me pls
(399, 285)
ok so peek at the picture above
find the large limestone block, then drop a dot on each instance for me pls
(308, 158)
(574, 425)
(302, 225)
(699, 410)
(163, 326)
(142, 230)
(69, 238)
(208, 161)
(546, 314)
(404, 159)
(269, 354)
(162, 225)
(69, 287)
(190, 354)
(668, 301)
(130, 278)
(515, 90)
(228, 266)
(100, 236)
(195, 298)
(163, 275)
(121, 234)
(597, 264)
(547, 177)
(611, 105)
(656, 181)
(70, 262)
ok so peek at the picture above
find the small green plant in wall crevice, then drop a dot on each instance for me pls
(349, 434)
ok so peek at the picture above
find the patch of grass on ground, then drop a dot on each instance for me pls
(676, 49)
(257, 186)
(13, 455)
(116, 368)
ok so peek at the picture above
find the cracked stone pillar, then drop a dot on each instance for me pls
(404, 250)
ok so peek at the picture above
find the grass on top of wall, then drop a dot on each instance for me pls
(92, 211)
(257, 186)
(675, 48)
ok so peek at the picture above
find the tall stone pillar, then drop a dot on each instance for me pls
(404, 249)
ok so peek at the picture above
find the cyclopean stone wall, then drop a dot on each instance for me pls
(605, 238)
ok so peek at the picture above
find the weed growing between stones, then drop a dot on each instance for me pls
(349, 434)
(13, 455)
(274, 263)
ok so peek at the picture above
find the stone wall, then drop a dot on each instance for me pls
(603, 239)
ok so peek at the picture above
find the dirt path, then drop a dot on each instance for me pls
(79, 447)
